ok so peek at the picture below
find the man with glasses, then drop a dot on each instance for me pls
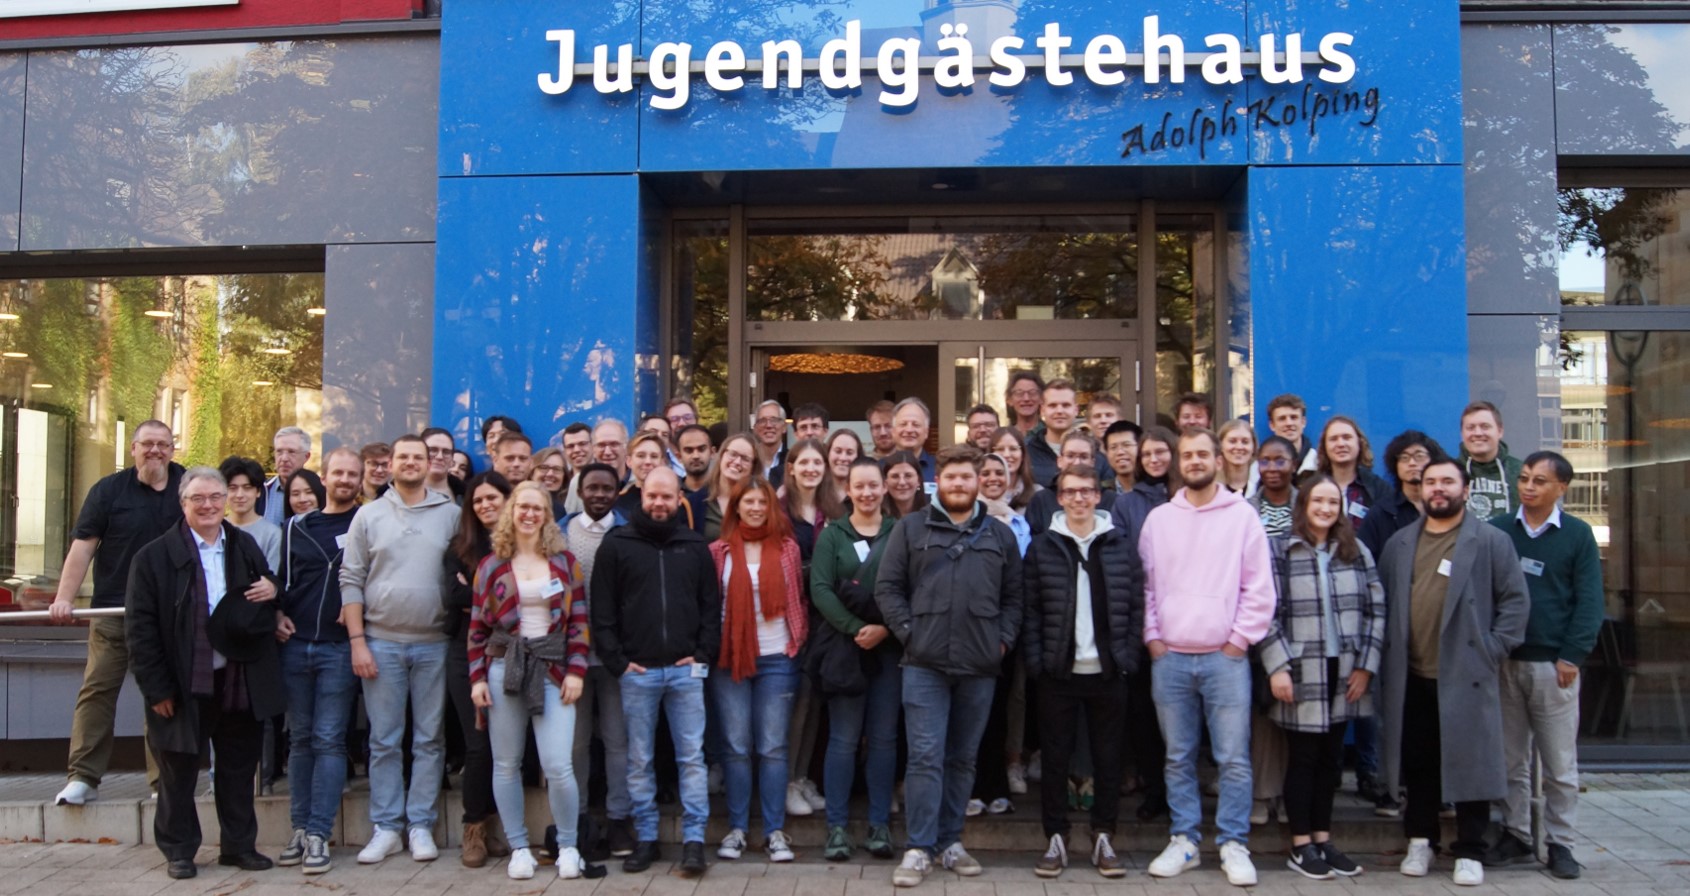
(681, 413)
(377, 458)
(441, 446)
(1023, 398)
(122, 512)
(982, 422)
(811, 421)
(610, 446)
(768, 427)
(1077, 448)
(293, 449)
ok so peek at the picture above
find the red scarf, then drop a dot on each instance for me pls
(739, 644)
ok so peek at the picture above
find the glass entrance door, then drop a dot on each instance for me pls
(974, 373)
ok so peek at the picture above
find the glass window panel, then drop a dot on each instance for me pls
(1185, 310)
(1625, 246)
(699, 365)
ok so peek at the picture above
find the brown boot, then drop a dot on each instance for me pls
(475, 845)
(497, 846)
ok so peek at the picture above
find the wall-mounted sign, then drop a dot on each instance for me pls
(899, 62)
(20, 8)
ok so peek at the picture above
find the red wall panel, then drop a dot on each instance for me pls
(246, 14)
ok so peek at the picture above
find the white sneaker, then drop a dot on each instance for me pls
(780, 849)
(957, 859)
(76, 793)
(569, 863)
(422, 844)
(812, 795)
(1017, 779)
(1180, 855)
(796, 804)
(383, 843)
(733, 845)
(1235, 861)
(1000, 806)
(1260, 810)
(1418, 861)
(1469, 872)
(913, 869)
(522, 864)
(1035, 769)
(975, 807)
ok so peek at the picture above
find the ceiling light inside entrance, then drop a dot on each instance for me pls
(833, 363)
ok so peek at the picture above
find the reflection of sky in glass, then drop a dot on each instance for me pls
(1582, 269)
(886, 13)
(1660, 49)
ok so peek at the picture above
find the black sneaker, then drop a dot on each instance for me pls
(692, 858)
(1306, 860)
(1155, 805)
(645, 853)
(1337, 861)
(1367, 787)
(621, 836)
(1562, 864)
(1386, 806)
(1509, 850)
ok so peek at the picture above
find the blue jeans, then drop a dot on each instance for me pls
(321, 688)
(1191, 690)
(554, 740)
(944, 716)
(873, 713)
(415, 673)
(753, 714)
(681, 698)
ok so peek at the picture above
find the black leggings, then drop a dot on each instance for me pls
(1311, 778)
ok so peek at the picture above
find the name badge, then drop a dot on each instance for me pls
(1531, 567)
(552, 589)
(862, 551)
(1444, 566)
(700, 670)
(340, 541)
(931, 488)
(1358, 511)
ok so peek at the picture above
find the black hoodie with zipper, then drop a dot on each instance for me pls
(655, 597)
(310, 573)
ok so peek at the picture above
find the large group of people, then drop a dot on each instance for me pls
(1070, 597)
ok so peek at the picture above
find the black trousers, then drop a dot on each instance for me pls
(1103, 699)
(1150, 752)
(1422, 776)
(991, 766)
(1314, 768)
(237, 739)
(477, 780)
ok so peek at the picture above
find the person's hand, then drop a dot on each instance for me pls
(284, 628)
(261, 591)
(683, 661)
(1280, 683)
(1565, 673)
(1157, 649)
(481, 695)
(1003, 650)
(869, 636)
(461, 580)
(165, 708)
(1233, 651)
(571, 689)
(1359, 680)
(363, 662)
(59, 612)
(635, 668)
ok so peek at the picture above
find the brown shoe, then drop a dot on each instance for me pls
(497, 846)
(1103, 856)
(475, 845)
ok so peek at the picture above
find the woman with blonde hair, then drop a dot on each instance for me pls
(527, 661)
(734, 465)
(1238, 458)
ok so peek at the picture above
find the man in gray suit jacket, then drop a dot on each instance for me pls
(1457, 604)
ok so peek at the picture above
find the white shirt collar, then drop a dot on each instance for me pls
(215, 544)
(1553, 520)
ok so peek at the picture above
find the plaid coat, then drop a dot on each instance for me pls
(1297, 639)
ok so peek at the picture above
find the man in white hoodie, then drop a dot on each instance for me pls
(392, 587)
(1208, 596)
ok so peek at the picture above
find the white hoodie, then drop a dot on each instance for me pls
(1086, 659)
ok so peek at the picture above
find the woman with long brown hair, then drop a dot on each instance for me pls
(904, 492)
(734, 465)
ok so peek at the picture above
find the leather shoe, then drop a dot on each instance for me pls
(645, 852)
(182, 869)
(247, 861)
(692, 858)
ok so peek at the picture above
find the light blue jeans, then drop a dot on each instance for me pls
(754, 714)
(415, 673)
(681, 697)
(321, 687)
(554, 739)
(1191, 690)
(944, 717)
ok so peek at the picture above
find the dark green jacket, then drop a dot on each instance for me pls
(1566, 590)
(835, 560)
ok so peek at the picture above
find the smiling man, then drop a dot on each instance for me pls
(1495, 474)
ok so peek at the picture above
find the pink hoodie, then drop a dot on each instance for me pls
(1208, 575)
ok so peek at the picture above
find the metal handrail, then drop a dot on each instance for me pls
(46, 615)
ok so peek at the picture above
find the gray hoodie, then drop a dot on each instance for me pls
(392, 566)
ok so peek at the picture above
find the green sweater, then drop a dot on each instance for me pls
(835, 559)
(1567, 598)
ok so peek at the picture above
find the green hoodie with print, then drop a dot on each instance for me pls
(1494, 486)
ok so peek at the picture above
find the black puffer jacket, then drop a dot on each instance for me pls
(950, 593)
(1051, 572)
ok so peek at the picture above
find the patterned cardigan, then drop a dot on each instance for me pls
(497, 606)
(1296, 642)
(797, 606)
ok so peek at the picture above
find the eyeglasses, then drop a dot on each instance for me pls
(1024, 393)
(683, 419)
(1421, 455)
(769, 421)
(1068, 493)
(156, 446)
(205, 500)
(550, 468)
(736, 457)
(439, 452)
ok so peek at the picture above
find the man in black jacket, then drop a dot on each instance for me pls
(203, 653)
(950, 590)
(1081, 637)
(657, 623)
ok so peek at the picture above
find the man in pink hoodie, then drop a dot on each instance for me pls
(1208, 596)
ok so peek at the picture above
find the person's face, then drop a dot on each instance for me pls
(1342, 444)
(1481, 435)
(769, 426)
(811, 428)
(1059, 409)
(1123, 453)
(1273, 463)
(880, 431)
(300, 497)
(1024, 398)
(753, 507)
(549, 472)
(902, 482)
(410, 463)
(1075, 452)
(439, 454)
(994, 480)
(1325, 504)
(840, 455)
(152, 449)
(377, 470)
(1239, 447)
(980, 429)
(1101, 417)
(661, 495)
(290, 455)
(909, 429)
(609, 446)
(810, 468)
(1154, 458)
(242, 495)
(1078, 498)
(598, 494)
(203, 503)
(530, 513)
(647, 456)
(1197, 463)
(1411, 463)
(680, 416)
(514, 460)
(1010, 450)
(695, 452)
(1287, 423)
(736, 461)
(460, 465)
(1193, 416)
(959, 486)
(1441, 489)
(486, 504)
(578, 448)
(866, 487)
(661, 427)
(1539, 489)
(342, 479)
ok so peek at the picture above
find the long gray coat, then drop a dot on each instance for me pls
(1484, 618)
